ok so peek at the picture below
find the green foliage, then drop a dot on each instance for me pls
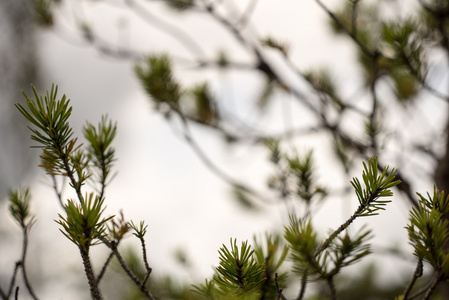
(271, 255)
(50, 116)
(376, 186)
(275, 44)
(84, 225)
(243, 272)
(205, 105)
(116, 230)
(307, 259)
(180, 4)
(294, 174)
(99, 150)
(139, 231)
(428, 230)
(238, 276)
(19, 207)
(346, 251)
(364, 27)
(303, 243)
(157, 79)
(43, 12)
(394, 51)
(244, 198)
(239, 273)
(404, 48)
(54, 134)
(323, 83)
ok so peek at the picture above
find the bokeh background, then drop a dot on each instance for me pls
(160, 179)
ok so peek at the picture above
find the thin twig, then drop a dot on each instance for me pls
(346, 30)
(436, 280)
(342, 227)
(302, 290)
(245, 17)
(263, 65)
(13, 279)
(278, 290)
(417, 274)
(179, 34)
(105, 266)
(354, 17)
(23, 265)
(145, 260)
(208, 162)
(331, 285)
(128, 271)
(373, 115)
(57, 191)
(93, 284)
(436, 277)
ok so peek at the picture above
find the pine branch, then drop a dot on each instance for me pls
(129, 272)
(104, 268)
(302, 290)
(23, 264)
(93, 283)
(417, 274)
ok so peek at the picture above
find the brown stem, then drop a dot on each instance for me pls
(105, 266)
(302, 291)
(128, 271)
(342, 227)
(145, 260)
(333, 291)
(435, 281)
(24, 273)
(418, 273)
(278, 289)
(94, 291)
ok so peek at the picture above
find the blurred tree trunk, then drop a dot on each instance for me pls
(18, 62)
(442, 169)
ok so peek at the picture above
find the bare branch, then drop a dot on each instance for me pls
(179, 34)
(417, 274)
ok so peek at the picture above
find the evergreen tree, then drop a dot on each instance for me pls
(401, 58)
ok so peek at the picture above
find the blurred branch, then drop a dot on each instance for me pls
(23, 264)
(104, 268)
(351, 34)
(208, 162)
(302, 290)
(57, 190)
(129, 272)
(417, 274)
(5, 296)
(178, 34)
(245, 17)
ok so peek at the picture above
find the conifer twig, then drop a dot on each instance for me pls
(105, 266)
(129, 272)
(417, 274)
(302, 290)
(24, 253)
(145, 260)
(278, 289)
(93, 283)
(342, 227)
(11, 284)
(433, 284)
(3, 295)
